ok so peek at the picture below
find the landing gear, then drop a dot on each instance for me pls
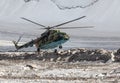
(38, 50)
(55, 51)
(60, 47)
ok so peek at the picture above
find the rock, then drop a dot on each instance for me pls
(101, 51)
(59, 58)
(117, 56)
(43, 60)
(112, 56)
(74, 52)
(62, 52)
(52, 59)
(115, 71)
(31, 67)
(78, 54)
(68, 51)
(118, 52)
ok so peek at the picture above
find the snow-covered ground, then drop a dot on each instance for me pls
(33, 71)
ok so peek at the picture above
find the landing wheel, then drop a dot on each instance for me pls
(55, 51)
(60, 47)
(38, 50)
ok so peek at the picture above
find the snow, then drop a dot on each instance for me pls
(69, 72)
(17, 72)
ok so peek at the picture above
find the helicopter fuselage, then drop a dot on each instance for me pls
(51, 39)
(48, 40)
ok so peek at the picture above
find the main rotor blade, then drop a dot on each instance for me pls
(19, 39)
(33, 22)
(74, 27)
(68, 22)
(16, 33)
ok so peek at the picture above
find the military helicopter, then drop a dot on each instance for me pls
(51, 38)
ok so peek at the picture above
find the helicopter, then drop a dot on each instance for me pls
(51, 38)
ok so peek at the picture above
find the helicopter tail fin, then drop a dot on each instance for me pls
(15, 43)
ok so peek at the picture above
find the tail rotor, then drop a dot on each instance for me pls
(16, 43)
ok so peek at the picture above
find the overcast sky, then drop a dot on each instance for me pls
(104, 14)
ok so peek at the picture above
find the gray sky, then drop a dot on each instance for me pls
(104, 15)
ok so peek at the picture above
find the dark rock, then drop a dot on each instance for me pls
(71, 55)
(118, 52)
(117, 56)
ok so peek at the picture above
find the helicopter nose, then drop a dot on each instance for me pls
(66, 37)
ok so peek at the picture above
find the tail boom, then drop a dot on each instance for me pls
(15, 44)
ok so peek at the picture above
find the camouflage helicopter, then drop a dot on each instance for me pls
(51, 38)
